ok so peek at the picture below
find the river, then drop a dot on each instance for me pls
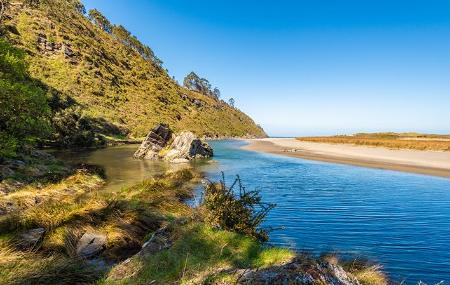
(397, 219)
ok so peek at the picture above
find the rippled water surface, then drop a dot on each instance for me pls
(398, 219)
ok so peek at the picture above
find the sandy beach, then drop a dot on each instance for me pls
(422, 162)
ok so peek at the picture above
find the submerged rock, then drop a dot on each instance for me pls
(90, 244)
(187, 146)
(155, 141)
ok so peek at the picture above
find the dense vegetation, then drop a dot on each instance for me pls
(389, 140)
(75, 75)
(23, 104)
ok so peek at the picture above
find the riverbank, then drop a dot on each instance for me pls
(69, 230)
(422, 162)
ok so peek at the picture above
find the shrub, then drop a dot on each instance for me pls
(73, 128)
(236, 209)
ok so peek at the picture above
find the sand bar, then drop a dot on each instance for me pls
(423, 162)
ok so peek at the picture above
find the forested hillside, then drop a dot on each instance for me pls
(96, 72)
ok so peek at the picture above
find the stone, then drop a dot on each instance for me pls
(91, 244)
(155, 141)
(31, 238)
(67, 51)
(187, 146)
(299, 272)
(160, 240)
(16, 164)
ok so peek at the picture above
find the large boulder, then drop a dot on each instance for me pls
(155, 141)
(187, 146)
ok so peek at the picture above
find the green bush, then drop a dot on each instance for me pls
(24, 115)
(73, 128)
(236, 209)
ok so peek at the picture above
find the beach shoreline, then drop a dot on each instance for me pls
(420, 162)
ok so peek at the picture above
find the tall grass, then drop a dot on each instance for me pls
(387, 141)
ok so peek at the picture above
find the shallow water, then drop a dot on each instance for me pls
(398, 219)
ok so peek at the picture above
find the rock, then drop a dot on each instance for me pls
(67, 51)
(197, 103)
(187, 146)
(155, 141)
(160, 240)
(5, 172)
(16, 164)
(299, 272)
(31, 239)
(90, 244)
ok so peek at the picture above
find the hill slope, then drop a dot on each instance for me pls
(111, 81)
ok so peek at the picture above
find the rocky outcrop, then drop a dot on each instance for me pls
(187, 146)
(155, 141)
(299, 272)
(91, 244)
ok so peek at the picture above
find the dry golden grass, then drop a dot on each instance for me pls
(391, 141)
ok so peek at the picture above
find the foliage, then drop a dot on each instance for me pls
(100, 21)
(131, 41)
(236, 210)
(231, 102)
(73, 128)
(193, 82)
(24, 115)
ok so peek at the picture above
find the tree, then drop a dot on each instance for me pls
(124, 36)
(100, 21)
(80, 8)
(216, 93)
(24, 115)
(193, 82)
(231, 102)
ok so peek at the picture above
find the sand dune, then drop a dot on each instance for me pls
(424, 162)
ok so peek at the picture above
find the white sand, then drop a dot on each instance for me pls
(434, 159)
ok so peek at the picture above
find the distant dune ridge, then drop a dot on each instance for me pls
(389, 140)
(112, 75)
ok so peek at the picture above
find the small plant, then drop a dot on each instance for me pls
(236, 209)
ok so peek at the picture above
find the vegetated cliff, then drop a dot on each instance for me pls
(114, 82)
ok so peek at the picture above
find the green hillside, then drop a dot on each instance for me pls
(114, 78)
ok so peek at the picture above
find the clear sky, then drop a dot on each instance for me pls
(307, 67)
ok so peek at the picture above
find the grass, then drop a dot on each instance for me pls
(200, 253)
(389, 140)
(72, 206)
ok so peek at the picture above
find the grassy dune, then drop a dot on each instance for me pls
(389, 140)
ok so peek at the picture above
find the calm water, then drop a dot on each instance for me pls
(398, 219)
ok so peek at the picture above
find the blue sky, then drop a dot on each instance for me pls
(307, 67)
